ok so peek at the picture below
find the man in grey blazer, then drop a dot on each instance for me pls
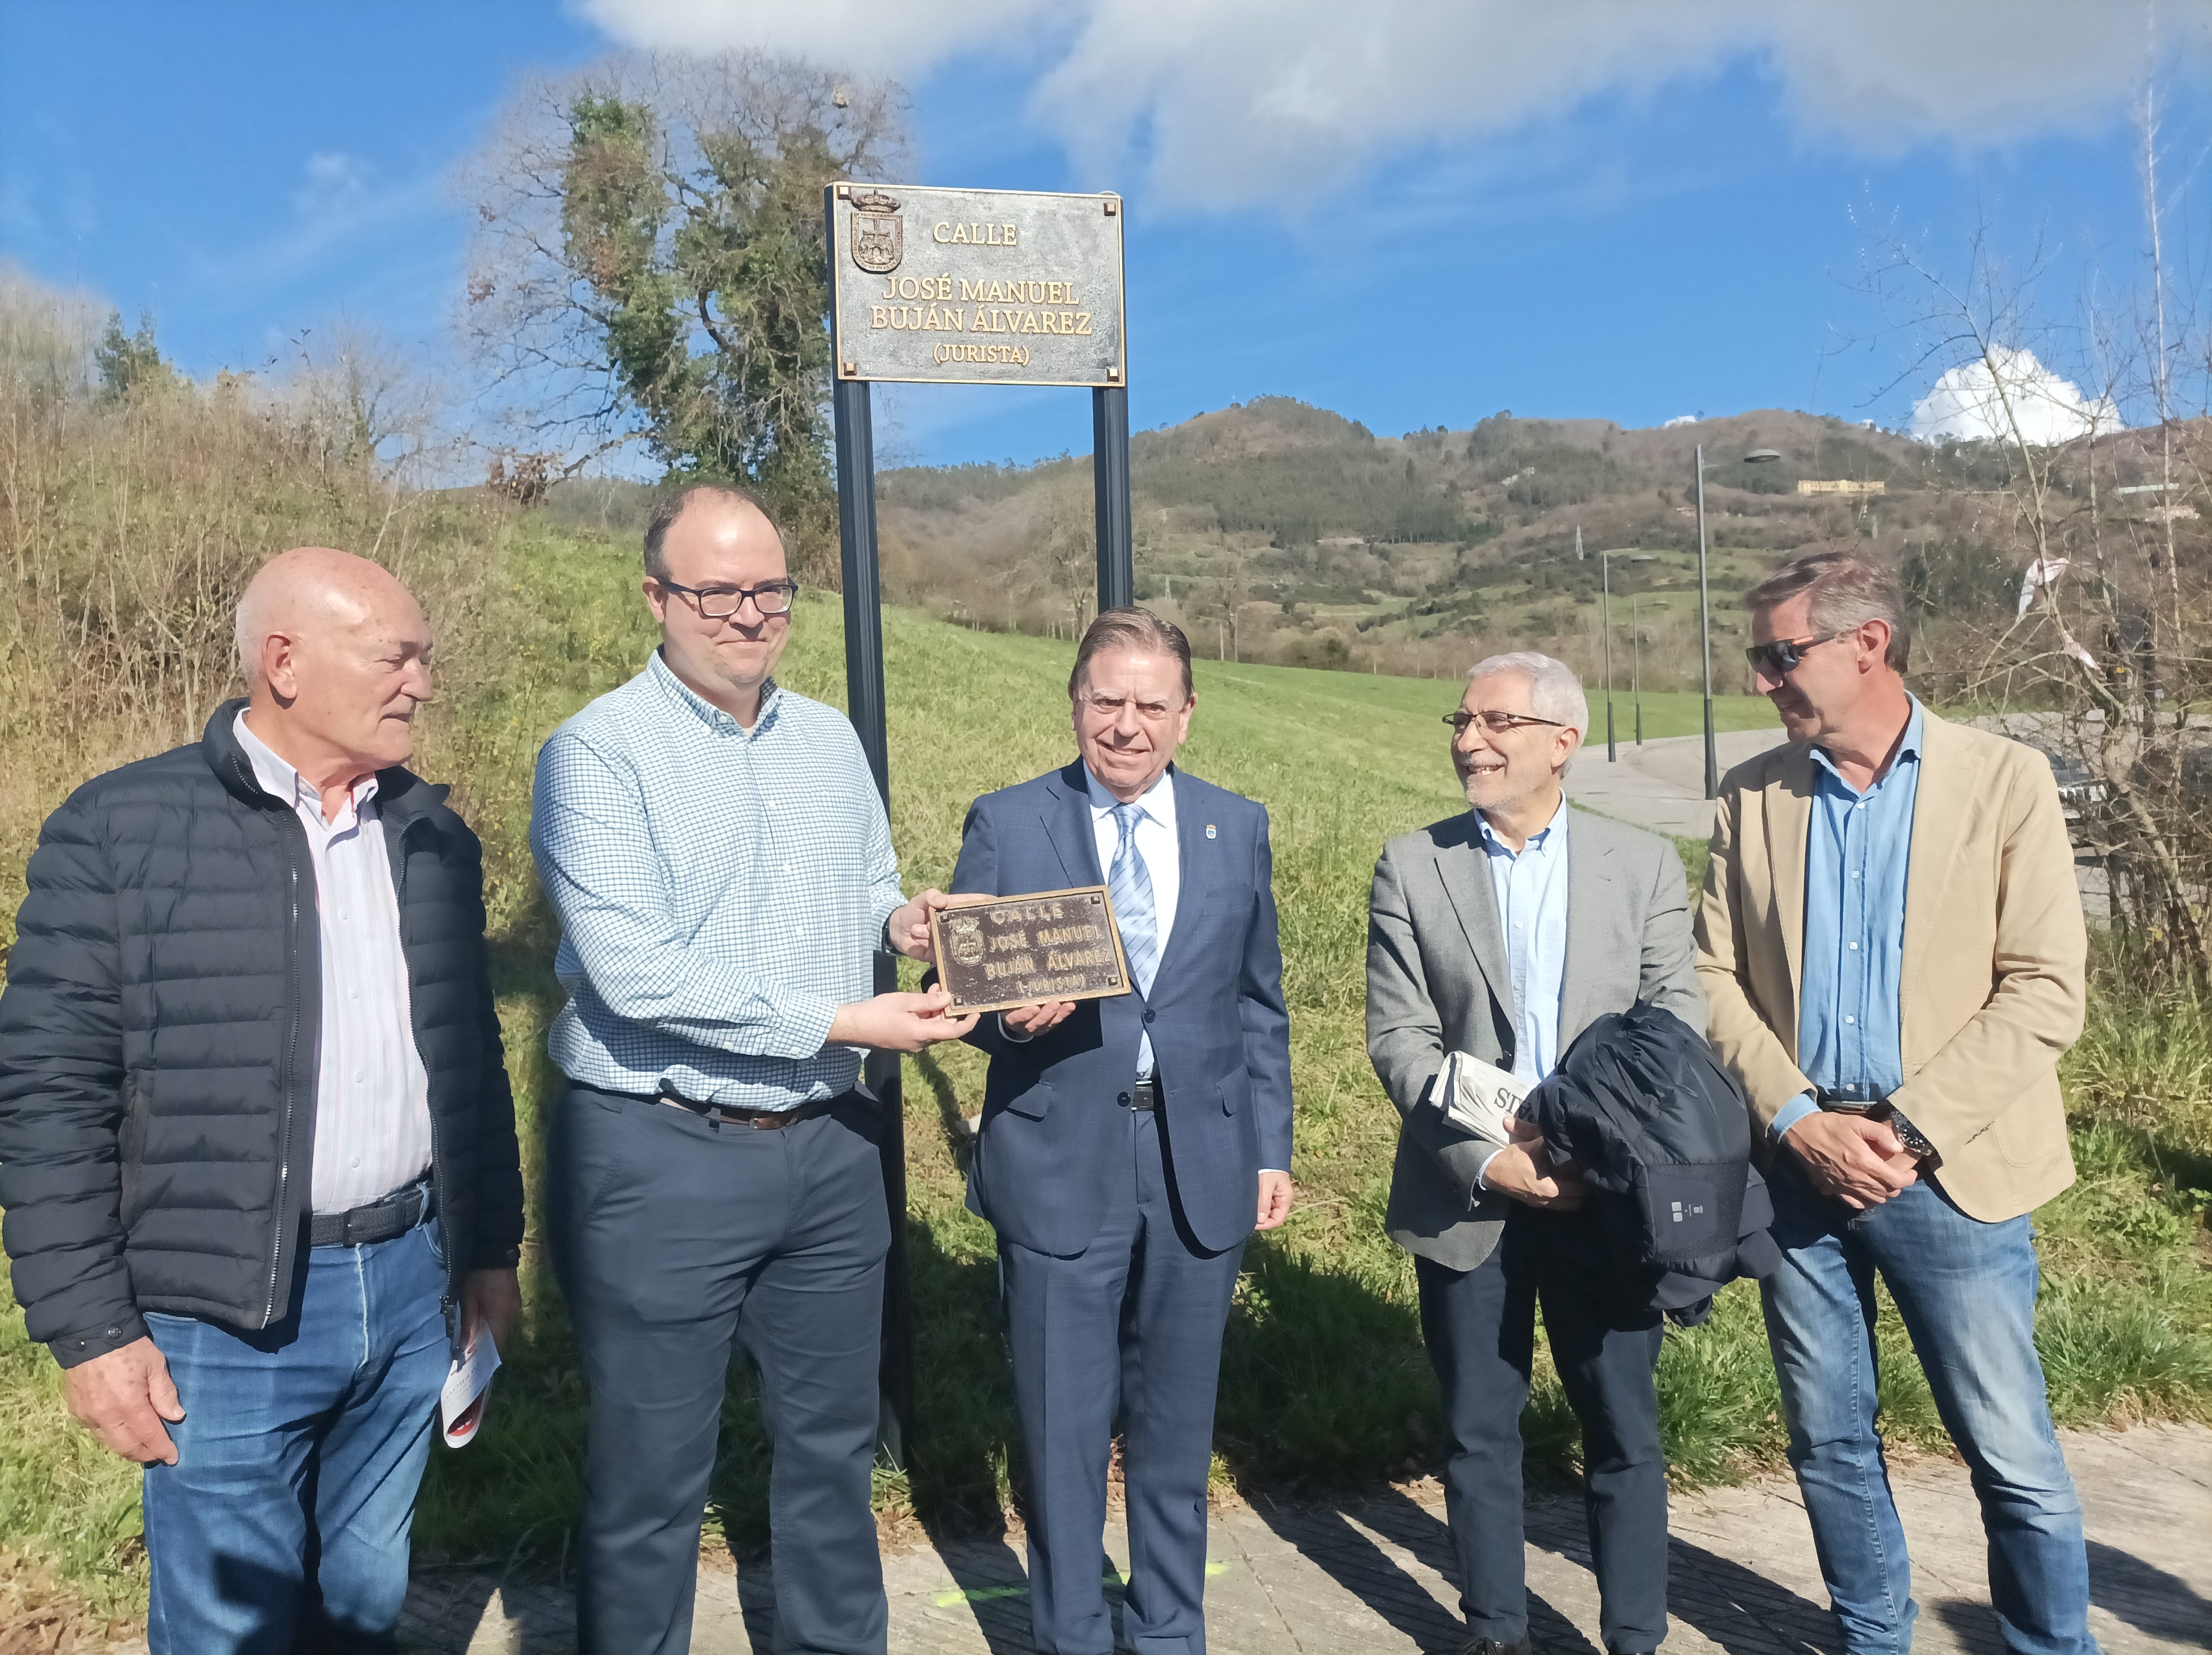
(1502, 933)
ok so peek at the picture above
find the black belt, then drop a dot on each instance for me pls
(1143, 1096)
(394, 1214)
(760, 1120)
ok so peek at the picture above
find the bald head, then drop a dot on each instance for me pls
(336, 655)
(308, 592)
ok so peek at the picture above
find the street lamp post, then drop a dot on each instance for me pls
(1705, 614)
(1605, 623)
(1636, 663)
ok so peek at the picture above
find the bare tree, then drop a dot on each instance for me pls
(649, 264)
(2100, 660)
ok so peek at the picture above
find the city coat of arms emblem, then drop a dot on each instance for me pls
(966, 934)
(878, 235)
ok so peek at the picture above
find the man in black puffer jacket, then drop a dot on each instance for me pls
(257, 1146)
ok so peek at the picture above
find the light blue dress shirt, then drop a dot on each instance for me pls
(1531, 887)
(721, 893)
(1857, 854)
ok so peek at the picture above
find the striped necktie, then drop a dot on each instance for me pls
(1131, 885)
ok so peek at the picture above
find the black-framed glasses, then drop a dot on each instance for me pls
(1780, 657)
(719, 603)
(1496, 722)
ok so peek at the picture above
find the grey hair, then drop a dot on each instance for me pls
(1555, 691)
(1841, 591)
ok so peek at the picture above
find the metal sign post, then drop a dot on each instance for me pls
(959, 287)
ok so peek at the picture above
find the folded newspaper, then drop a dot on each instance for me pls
(1479, 1098)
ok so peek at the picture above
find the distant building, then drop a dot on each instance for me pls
(1838, 485)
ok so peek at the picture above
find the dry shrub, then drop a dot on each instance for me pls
(130, 523)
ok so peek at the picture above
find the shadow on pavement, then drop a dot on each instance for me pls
(1328, 1537)
(2147, 1598)
(993, 1580)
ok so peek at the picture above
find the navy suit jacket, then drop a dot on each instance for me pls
(1052, 1119)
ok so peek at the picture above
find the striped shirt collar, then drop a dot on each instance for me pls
(281, 779)
(684, 697)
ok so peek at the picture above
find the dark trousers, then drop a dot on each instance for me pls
(1130, 1328)
(675, 1237)
(1480, 1325)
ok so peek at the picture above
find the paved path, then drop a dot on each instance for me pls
(1661, 784)
(1371, 1575)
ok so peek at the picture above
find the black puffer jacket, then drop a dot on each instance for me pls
(1665, 1134)
(158, 1045)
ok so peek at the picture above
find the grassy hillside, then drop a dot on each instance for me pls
(1324, 1379)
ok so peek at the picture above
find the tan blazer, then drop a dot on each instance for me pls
(1994, 956)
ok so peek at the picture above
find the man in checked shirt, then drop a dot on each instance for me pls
(723, 871)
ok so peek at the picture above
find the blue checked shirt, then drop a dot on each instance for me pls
(1857, 853)
(721, 893)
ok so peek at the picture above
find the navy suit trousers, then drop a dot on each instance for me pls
(1126, 1332)
(1480, 1326)
(676, 1241)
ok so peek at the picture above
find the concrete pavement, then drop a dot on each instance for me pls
(1372, 1573)
(1661, 784)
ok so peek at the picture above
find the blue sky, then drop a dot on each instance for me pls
(1651, 242)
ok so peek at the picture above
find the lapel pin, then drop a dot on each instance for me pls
(1209, 829)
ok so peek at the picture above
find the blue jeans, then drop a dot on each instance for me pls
(1967, 1292)
(284, 1521)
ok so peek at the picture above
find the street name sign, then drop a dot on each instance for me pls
(977, 287)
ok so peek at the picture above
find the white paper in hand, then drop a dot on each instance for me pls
(1479, 1098)
(461, 1403)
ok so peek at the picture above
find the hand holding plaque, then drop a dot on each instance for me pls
(999, 952)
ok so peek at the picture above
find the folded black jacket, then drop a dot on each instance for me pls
(158, 1047)
(1640, 1099)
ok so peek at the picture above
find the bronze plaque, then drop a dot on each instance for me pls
(975, 287)
(1025, 951)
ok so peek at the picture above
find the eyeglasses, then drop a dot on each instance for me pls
(718, 603)
(1496, 722)
(1780, 657)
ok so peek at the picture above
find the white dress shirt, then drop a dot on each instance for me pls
(372, 1092)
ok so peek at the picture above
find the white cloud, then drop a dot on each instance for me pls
(1236, 103)
(1678, 419)
(1970, 404)
(337, 184)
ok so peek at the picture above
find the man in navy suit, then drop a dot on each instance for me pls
(1129, 1145)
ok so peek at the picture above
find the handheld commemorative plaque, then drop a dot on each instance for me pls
(1025, 951)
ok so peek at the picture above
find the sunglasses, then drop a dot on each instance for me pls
(1780, 657)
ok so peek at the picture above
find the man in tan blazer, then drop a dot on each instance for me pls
(1891, 949)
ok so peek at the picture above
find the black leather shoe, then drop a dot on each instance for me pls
(1479, 1645)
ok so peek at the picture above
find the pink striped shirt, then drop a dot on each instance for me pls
(372, 1092)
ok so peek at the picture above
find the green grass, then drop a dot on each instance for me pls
(1324, 1380)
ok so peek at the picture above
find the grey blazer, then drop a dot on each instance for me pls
(1436, 982)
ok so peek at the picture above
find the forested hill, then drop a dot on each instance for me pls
(1297, 473)
(1280, 531)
